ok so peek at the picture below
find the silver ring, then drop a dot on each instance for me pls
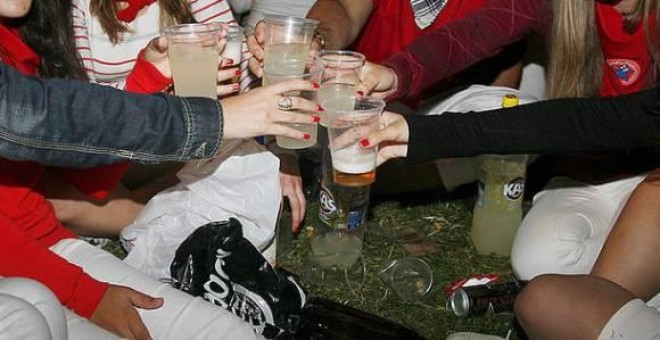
(285, 103)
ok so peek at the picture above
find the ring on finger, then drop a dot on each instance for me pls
(285, 103)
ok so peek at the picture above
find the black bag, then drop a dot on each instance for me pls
(217, 263)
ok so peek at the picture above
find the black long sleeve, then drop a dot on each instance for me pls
(555, 126)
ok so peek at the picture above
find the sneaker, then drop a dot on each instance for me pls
(476, 336)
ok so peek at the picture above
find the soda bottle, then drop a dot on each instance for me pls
(342, 212)
(329, 320)
(498, 210)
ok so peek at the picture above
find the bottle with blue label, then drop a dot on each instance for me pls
(343, 213)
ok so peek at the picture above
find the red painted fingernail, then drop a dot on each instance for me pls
(319, 108)
(317, 119)
(316, 86)
(307, 136)
(229, 61)
(364, 142)
(238, 72)
(360, 93)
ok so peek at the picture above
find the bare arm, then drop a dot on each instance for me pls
(340, 20)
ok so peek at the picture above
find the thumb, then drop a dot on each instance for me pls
(145, 301)
(367, 85)
(159, 44)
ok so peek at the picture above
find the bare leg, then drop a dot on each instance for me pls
(630, 254)
(568, 307)
(108, 217)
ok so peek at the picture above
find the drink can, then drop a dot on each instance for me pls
(485, 299)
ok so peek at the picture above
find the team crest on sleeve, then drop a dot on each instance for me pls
(626, 70)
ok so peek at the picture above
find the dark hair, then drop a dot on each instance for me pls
(48, 30)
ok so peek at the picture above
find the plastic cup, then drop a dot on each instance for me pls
(286, 39)
(341, 72)
(409, 277)
(352, 165)
(234, 46)
(193, 55)
(311, 73)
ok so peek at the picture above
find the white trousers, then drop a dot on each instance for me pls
(35, 313)
(567, 226)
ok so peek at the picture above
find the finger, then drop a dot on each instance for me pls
(291, 85)
(367, 84)
(255, 48)
(223, 90)
(302, 207)
(137, 327)
(293, 117)
(159, 44)
(227, 74)
(256, 67)
(302, 104)
(259, 32)
(391, 151)
(297, 203)
(286, 131)
(145, 301)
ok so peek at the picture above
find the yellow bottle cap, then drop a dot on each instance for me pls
(510, 100)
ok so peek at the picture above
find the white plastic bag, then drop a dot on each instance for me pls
(242, 181)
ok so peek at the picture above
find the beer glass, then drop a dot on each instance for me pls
(353, 165)
(286, 39)
(341, 72)
(311, 73)
(194, 58)
(234, 46)
(409, 277)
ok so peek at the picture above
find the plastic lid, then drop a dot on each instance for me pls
(510, 100)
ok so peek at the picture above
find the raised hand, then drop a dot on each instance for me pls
(256, 112)
(392, 139)
(377, 81)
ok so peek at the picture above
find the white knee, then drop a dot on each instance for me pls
(554, 244)
(41, 300)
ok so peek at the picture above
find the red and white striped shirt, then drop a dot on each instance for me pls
(109, 63)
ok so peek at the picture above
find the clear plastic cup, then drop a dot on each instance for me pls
(409, 277)
(194, 58)
(286, 39)
(341, 73)
(351, 164)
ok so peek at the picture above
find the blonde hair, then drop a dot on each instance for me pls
(171, 12)
(575, 67)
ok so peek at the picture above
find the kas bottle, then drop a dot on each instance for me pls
(343, 213)
(498, 210)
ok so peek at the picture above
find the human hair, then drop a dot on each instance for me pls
(576, 62)
(171, 12)
(48, 30)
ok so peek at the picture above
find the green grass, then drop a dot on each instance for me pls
(438, 219)
(441, 221)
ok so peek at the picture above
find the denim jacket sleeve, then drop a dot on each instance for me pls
(76, 124)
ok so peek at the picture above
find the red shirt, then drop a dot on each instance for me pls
(391, 28)
(28, 225)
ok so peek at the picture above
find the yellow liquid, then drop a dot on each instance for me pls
(286, 59)
(194, 69)
(343, 91)
(336, 249)
(496, 217)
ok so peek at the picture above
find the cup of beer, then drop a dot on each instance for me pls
(352, 165)
(193, 52)
(341, 72)
(285, 39)
(311, 73)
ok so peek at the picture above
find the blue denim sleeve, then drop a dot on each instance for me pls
(75, 124)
